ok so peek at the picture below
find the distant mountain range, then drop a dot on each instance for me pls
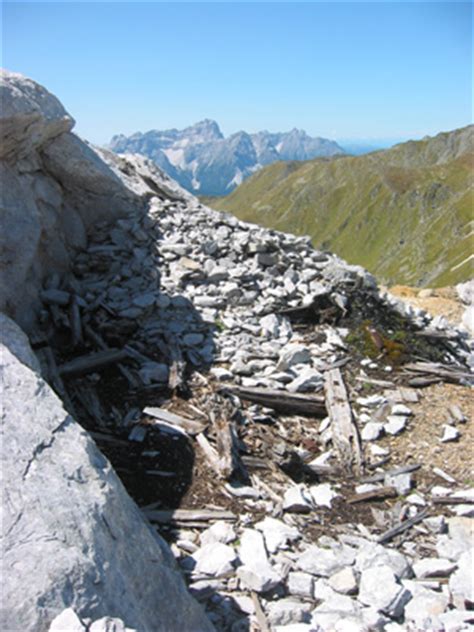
(405, 213)
(204, 162)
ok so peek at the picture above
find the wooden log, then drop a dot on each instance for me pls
(376, 494)
(101, 344)
(404, 469)
(166, 516)
(93, 362)
(402, 527)
(345, 434)
(176, 362)
(188, 425)
(291, 403)
(259, 614)
(453, 500)
(210, 453)
(444, 371)
(75, 321)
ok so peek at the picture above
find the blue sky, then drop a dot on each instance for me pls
(344, 70)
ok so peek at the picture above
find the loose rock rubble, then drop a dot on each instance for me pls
(187, 340)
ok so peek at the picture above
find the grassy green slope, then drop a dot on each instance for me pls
(406, 214)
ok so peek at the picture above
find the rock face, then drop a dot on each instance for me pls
(53, 187)
(72, 537)
(206, 163)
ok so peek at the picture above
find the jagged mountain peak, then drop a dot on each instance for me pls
(205, 162)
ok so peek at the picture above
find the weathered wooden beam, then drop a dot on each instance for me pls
(345, 434)
(402, 527)
(190, 426)
(93, 362)
(283, 401)
(375, 494)
(166, 516)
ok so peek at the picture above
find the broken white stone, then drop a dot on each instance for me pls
(323, 494)
(67, 621)
(154, 372)
(300, 584)
(108, 624)
(256, 573)
(401, 482)
(380, 589)
(297, 500)
(424, 606)
(215, 559)
(433, 567)
(451, 433)
(277, 534)
(344, 581)
(461, 583)
(222, 374)
(371, 431)
(287, 611)
(377, 450)
(293, 354)
(220, 531)
(324, 562)
(395, 424)
(242, 491)
(458, 540)
(372, 555)
(308, 379)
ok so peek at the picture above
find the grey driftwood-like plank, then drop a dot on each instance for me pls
(92, 362)
(190, 426)
(402, 527)
(166, 516)
(345, 434)
(283, 401)
(375, 494)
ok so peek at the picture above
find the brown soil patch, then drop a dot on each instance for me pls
(442, 301)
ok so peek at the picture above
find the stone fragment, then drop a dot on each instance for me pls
(297, 500)
(154, 372)
(372, 555)
(323, 562)
(288, 611)
(277, 534)
(293, 354)
(300, 584)
(458, 540)
(323, 494)
(380, 589)
(215, 559)
(108, 624)
(395, 424)
(256, 573)
(401, 482)
(433, 567)
(222, 374)
(461, 582)
(344, 581)
(425, 606)
(372, 431)
(67, 621)
(451, 433)
(307, 380)
(401, 409)
(192, 340)
(220, 531)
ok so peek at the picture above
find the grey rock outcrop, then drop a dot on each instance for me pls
(72, 537)
(54, 186)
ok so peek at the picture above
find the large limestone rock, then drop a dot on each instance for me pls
(72, 537)
(54, 186)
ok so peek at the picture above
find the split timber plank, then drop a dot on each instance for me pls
(188, 425)
(292, 403)
(166, 516)
(344, 431)
(92, 362)
(376, 494)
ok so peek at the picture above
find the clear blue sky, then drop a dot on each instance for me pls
(341, 70)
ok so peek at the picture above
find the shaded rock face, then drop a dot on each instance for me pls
(54, 186)
(72, 537)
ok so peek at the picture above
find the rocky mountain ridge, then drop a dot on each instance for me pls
(243, 386)
(206, 163)
(404, 213)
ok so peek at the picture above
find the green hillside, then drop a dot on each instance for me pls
(405, 214)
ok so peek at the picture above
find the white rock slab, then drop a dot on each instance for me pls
(67, 621)
(380, 589)
(256, 572)
(215, 559)
(344, 581)
(297, 500)
(433, 567)
(277, 534)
